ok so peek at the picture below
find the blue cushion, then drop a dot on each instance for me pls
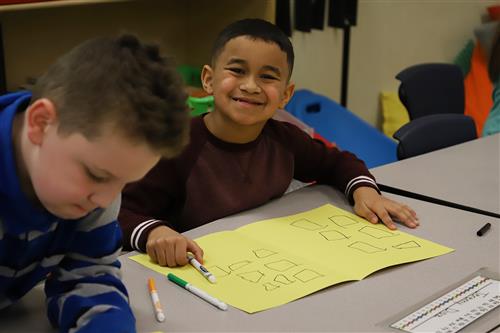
(339, 125)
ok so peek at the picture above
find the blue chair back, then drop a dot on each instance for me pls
(342, 127)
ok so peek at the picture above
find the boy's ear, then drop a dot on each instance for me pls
(287, 95)
(207, 75)
(39, 116)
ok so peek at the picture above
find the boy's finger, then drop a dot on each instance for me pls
(151, 253)
(181, 252)
(405, 215)
(364, 211)
(160, 258)
(410, 221)
(196, 250)
(372, 217)
(170, 254)
(383, 214)
(411, 212)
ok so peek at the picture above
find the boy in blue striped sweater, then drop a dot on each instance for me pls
(99, 118)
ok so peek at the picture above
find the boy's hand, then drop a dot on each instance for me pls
(169, 248)
(374, 207)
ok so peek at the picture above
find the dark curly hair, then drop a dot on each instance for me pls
(119, 82)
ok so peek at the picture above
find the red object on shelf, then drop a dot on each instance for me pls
(494, 12)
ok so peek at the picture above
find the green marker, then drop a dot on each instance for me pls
(198, 292)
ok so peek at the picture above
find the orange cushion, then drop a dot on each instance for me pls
(478, 89)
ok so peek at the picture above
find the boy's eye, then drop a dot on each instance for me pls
(235, 70)
(269, 77)
(95, 178)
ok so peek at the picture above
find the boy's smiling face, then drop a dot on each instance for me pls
(70, 175)
(249, 81)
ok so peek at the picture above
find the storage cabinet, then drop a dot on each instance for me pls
(35, 34)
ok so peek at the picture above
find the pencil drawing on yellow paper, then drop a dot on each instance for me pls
(273, 262)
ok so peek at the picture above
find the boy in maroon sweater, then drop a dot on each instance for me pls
(238, 157)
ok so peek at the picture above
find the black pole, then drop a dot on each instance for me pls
(418, 196)
(345, 65)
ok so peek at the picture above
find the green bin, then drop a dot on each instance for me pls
(200, 105)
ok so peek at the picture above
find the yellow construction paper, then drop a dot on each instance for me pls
(273, 262)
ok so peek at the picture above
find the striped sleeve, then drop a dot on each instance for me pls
(136, 228)
(356, 182)
(85, 292)
(147, 203)
(140, 233)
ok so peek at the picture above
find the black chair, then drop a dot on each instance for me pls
(433, 132)
(432, 88)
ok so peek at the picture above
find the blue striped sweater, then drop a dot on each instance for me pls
(76, 258)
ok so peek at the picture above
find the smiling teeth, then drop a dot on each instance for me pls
(245, 101)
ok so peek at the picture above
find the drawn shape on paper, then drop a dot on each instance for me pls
(283, 279)
(407, 245)
(268, 286)
(376, 233)
(253, 276)
(307, 225)
(333, 235)
(263, 253)
(342, 220)
(280, 265)
(219, 272)
(307, 275)
(366, 248)
(239, 265)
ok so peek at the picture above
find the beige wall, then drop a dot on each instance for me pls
(390, 35)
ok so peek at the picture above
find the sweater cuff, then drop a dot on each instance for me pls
(359, 182)
(140, 234)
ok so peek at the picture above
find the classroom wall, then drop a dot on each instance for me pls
(390, 35)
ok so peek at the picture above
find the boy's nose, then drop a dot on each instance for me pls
(250, 86)
(104, 197)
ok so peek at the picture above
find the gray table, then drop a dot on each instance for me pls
(362, 306)
(467, 174)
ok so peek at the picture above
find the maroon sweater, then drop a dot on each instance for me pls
(212, 179)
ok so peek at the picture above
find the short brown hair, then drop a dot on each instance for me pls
(122, 82)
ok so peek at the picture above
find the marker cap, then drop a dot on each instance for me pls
(151, 284)
(177, 280)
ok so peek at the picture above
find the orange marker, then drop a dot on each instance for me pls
(160, 316)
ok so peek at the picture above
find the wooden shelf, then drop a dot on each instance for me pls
(53, 4)
(35, 34)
